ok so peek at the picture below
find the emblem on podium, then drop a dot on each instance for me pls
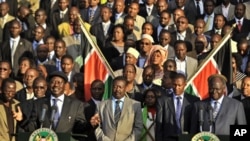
(43, 134)
(205, 136)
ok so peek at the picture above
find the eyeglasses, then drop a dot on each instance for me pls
(4, 69)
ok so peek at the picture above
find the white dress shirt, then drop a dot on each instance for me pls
(59, 102)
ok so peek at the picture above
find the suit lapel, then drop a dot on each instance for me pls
(110, 111)
(65, 111)
(171, 104)
(3, 114)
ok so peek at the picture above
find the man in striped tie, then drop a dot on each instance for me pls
(118, 118)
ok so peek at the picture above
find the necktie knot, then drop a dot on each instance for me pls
(117, 101)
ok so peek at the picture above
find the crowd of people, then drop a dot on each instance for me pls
(153, 48)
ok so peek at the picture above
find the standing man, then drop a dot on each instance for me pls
(69, 116)
(225, 111)
(113, 113)
(173, 111)
(9, 114)
(97, 90)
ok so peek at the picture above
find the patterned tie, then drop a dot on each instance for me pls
(91, 15)
(178, 114)
(57, 116)
(215, 110)
(117, 112)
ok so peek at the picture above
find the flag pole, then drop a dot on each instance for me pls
(211, 54)
(93, 44)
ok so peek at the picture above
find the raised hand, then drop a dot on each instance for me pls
(17, 115)
(95, 120)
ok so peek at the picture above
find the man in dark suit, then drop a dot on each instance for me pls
(69, 115)
(102, 31)
(60, 15)
(113, 122)
(16, 47)
(224, 111)
(148, 9)
(173, 111)
(118, 11)
(40, 19)
(184, 34)
(27, 92)
(242, 24)
(40, 89)
(67, 66)
(92, 13)
(97, 90)
(148, 76)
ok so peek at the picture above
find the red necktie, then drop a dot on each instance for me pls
(239, 25)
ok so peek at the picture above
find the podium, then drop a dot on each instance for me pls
(188, 137)
(61, 136)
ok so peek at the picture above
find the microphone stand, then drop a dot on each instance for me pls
(210, 109)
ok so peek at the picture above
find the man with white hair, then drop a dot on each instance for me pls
(145, 47)
(132, 58)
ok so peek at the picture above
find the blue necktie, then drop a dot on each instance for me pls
(58, 65)
(57, 115)
(178, 114)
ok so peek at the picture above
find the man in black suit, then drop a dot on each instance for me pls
(102, 31)
(60, 15)
(15, 47)
(148, 9)
(40, 89)
(92, 13)
(27, 92)
(148, 76)
(173, 111)
(242, 24)
(97, 90)
(69, 115)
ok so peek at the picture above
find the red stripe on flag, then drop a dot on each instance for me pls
(200, 82)
(94, 69)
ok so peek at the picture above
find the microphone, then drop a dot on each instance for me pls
(201, 117)
(42, 117)
(53, 112)
(211, 118)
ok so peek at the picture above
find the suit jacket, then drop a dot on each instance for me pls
(56, 20)
(231, 113)
(89, 111)
(98, 32)
(129, 126)
(23, 48)
(246, 104)
(190, 42)
(73, 45)
(72, 117)
(166, 125)
(8, 19)
(143, 89)
(230, 16)
(143, 11)
(96, 19)
(21, 95)
(65, 29)
(13, 5)
(4, 134)
(192, 65)
(245, 29)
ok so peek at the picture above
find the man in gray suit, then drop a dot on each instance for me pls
(118, 118)
(224, 111)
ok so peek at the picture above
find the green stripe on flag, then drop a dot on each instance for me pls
(108, 88)
(190, 90)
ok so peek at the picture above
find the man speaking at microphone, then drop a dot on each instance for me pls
(64, 114)
(218, 111)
